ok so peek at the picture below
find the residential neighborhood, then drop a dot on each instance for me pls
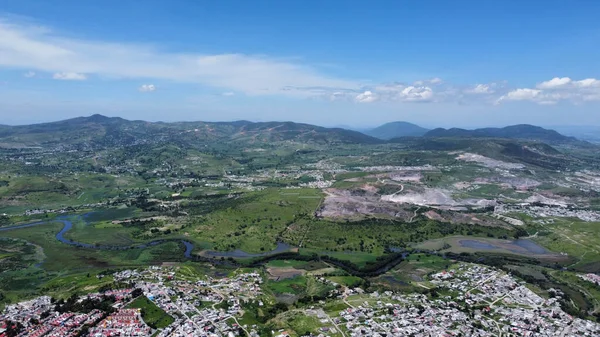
(467, 300)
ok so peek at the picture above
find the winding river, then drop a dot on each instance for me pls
(68, 225)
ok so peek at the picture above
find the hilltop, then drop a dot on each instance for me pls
(397, 129)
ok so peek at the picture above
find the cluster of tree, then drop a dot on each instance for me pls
(88, 304)
(13, 329)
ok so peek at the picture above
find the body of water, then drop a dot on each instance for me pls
(516, 246)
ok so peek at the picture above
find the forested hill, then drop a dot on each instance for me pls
(98, 130)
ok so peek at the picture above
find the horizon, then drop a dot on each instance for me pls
(334, 63)
(361, 129)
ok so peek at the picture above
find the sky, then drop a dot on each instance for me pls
(334, 63)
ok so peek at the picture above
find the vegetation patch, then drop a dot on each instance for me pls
(154, 316)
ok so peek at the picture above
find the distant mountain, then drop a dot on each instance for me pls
(98, 131)
(396, 130)
(521, 131)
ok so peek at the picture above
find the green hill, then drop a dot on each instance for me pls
(101, 131)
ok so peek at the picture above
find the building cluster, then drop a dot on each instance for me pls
(550, 211)
(125, 322)
(468, 300)
(38, 317)
(477, 301)
(202, 308)
(590, 278)
(206, 307)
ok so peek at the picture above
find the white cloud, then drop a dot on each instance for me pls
(69, 76)
(366, 97)
(431, 81)
(37, 49)
(587, 83)
(25, 46)
(29, 74)
(147, 88)
(557, 90)
(480, 89)
(554, 83)
(416, 94)
(228, 93)
(522, 94)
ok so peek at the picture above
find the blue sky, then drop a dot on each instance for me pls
(435, 63)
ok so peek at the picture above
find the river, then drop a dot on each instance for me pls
(189, 247)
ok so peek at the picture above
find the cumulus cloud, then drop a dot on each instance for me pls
(29, 74)
(147, 88)
(69, 76)
(587, 83)
(480, 89)
(523, 94)
(554, 83)
(556, 90)
(366, 97)
(416, 94)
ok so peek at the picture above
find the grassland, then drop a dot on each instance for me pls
(347, 281)
(154, 316)
(578, 239)
(253, 223)
(411, 272)
(297, 323)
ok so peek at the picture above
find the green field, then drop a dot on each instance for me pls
(348, 281)
(253, 222)
(296, 285)
(580, 240)
(154, 316)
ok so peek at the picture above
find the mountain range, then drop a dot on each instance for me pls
(107, 131)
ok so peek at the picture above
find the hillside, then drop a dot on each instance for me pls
(99, 131)
(396, 129)
(511, 150)
(521, 131)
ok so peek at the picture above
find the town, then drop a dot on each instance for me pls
(466, 300)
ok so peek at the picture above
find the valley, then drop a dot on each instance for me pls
(309, 209)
